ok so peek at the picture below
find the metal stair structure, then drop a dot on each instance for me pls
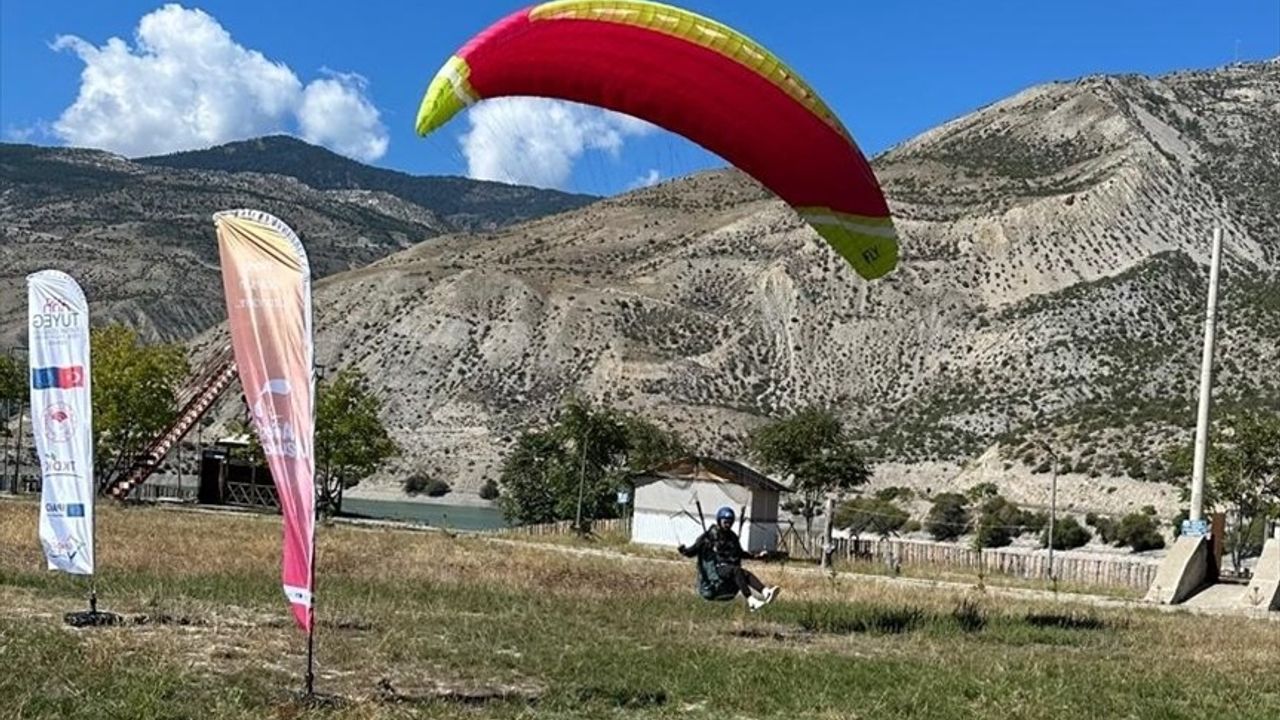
(213, 379)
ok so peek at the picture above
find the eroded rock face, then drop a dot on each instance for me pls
(1053, 277)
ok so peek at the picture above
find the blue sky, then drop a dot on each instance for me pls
(350, 74)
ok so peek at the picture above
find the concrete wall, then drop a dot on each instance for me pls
(666, 513)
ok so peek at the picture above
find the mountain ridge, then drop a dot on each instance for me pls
(464, 203)
(138, 235)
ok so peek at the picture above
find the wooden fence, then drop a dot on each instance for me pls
(155, 491)
(621, 526)
(1071, 567)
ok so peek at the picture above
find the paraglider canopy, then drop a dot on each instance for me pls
(697, 78)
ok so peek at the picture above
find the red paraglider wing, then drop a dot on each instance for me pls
(693, 77)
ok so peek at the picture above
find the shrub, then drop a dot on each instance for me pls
(990, 534)
(416, 483)
(998, 522)
(890, 494)
(982, 491)
(1105, 526)
(438, 488)
(912, 526)
(870, 515)
(948, 519)
(1139, 531)
(489, 490)
(1034, 522)
(1068, 534)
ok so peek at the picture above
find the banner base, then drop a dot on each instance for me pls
(92, 618)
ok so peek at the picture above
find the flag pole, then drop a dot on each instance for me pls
(311, 625)
(315, 516)
(93, 550)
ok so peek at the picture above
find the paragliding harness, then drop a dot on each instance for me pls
(711, 586)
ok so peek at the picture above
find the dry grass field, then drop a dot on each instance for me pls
(417, 624)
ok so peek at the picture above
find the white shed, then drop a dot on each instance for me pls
(667, 498)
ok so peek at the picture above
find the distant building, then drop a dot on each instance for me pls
(667, 497)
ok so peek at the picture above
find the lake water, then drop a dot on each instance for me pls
(456, 517)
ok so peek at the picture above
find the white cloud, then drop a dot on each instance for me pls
(648, 179)
(335, 113)
(535, 141)
(187, 84)
(26, 133)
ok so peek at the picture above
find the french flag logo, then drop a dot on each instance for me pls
(49, 378)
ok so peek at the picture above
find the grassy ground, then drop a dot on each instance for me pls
(423, 625)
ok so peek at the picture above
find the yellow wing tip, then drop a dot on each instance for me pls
(447, 95)
(872, 255)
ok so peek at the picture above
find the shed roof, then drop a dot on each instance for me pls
(706, 469)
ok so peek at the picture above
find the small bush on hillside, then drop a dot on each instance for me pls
(999, 521)
(870, 516)
(991, 535)
(1068, 534)
(489, 490)
(890, 494)
(438, 488)
(1105, 526)
(416, 483)
(1139, 531)
(948, 519)
(982, 491)
(1035, 522)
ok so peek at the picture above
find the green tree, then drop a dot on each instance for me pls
(351, 441)
(1068, 534)
(135, 395)
(13, 388)
(12, 379)
(870, 515)
(1243, 478)
(534, 477)
(580, 462)
(814, 449)
(1139, 531)
(649, 445)
(949, 518)
(415, 483)
(999, 521)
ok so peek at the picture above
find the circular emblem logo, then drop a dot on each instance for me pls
(58, 423)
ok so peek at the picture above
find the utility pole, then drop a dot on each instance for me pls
(1053, 501)
(828, 546)
(1206, 383)
(17, 458)
(4, 453)
(1053, 515)
(582, 478)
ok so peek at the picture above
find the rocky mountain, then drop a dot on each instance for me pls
(1051, 286)
(1051, 289)
(464, 204)
(138, 235)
